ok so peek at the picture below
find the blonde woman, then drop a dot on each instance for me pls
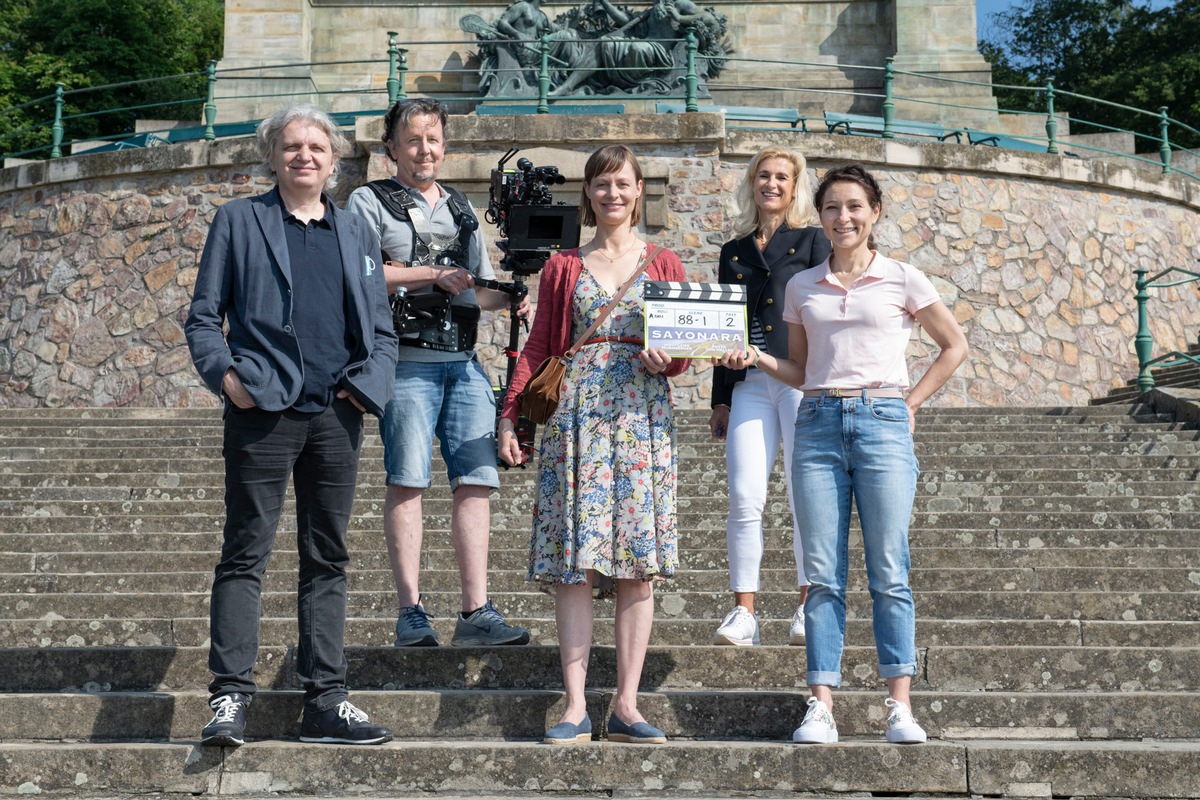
(774, 238)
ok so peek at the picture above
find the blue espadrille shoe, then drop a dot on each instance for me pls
(637, 733)
(569, 732)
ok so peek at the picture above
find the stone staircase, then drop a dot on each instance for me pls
(1056, 571)
(1180, 376)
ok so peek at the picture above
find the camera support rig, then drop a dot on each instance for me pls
(532, 228)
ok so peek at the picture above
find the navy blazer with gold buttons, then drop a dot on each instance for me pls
(765, 276)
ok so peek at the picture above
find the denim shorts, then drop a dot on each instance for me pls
(455, 401)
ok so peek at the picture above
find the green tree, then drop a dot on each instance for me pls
(90, 44)
(1131, 53)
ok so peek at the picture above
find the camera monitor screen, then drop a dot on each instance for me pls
(543, 227)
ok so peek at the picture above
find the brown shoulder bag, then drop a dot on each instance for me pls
(539, 399)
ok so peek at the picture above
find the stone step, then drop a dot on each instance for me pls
(692, 464)
(709, 480)
(940, 668)
(1132, 604)
(1167, 444)
(55, 631)
(96, 518)
(438, 557)
(526, 769)
(370, 492)
(690, 509)
(1012, 578)
(60, 537)
(121, 439)
(514, 714)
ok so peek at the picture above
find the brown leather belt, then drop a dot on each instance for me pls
(610, 339)
(878, 391)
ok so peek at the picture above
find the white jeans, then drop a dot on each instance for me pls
(762, 416)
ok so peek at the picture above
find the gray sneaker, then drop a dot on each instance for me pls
(486, 628)
(413, 628)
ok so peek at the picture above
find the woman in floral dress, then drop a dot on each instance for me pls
(604, 518)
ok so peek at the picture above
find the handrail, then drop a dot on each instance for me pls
(395, 59)
(1144, 341)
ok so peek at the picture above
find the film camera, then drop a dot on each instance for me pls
(532, 227)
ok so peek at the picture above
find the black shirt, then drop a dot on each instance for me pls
(318, 308)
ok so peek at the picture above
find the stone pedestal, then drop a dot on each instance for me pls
(801, 54)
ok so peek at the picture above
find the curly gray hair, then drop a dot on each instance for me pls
(270, 128)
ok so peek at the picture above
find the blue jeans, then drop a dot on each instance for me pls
(455, 401)
(859, 448)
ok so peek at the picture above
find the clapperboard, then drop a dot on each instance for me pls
(695, 320)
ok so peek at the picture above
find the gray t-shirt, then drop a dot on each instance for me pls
(396, 237)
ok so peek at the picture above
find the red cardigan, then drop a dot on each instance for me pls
(551, 332)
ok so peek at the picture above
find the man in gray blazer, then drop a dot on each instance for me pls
(309, 349)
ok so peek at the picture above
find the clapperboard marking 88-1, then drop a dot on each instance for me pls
(695, 320)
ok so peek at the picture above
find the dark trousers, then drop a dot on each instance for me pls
(262, 450)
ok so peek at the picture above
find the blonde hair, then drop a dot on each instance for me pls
(800, 213)
(603, 161)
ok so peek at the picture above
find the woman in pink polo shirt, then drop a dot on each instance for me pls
(849, 323)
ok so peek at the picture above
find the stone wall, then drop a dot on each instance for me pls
(1034, 254)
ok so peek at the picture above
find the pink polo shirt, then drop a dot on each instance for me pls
(857, 336)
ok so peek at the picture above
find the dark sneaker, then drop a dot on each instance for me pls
(413, 628)
(345, 723)
(228, 725)
(486, 628)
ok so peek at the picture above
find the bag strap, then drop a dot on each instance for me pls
(650, 251)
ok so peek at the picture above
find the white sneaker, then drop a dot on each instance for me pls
(796, 632)
(818, 726)
(739, 627)
(902, 728)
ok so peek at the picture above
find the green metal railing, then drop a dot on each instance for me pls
(1144, 341)
(399, 78)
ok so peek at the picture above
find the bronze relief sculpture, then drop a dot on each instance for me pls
(597, 48)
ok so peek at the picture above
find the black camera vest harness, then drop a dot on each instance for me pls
(430, 248)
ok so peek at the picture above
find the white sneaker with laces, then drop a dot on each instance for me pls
(740, 627)
(796, 631)
(818, 726)
(901, 727)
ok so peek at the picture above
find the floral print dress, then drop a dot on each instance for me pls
(606, 489)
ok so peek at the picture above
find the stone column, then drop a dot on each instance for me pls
(261, 32)
(938, 37)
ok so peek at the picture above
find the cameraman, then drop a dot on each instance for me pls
(423, 226)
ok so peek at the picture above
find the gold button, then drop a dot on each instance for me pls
(792, 251)
(769, 328)
(735, 258)
(739, 276)
(770, 301)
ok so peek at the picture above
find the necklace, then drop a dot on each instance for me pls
(763, 238)
(598, 252)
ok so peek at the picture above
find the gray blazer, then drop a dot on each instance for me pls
(245, 279)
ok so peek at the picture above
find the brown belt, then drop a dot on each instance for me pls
(879, 391)
(621, 339)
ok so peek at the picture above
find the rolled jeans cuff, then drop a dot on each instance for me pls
(833, 679)
(897, 670)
